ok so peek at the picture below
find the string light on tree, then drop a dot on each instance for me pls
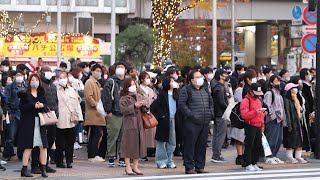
(165, 14)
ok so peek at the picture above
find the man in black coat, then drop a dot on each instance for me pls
(220, 100)
(196, 104)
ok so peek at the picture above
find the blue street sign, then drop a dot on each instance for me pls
(296, 12)
(309, 42)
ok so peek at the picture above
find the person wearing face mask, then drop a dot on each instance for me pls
(172, 72)
(148, 93)
(196, 105)
(253, 114)
(273, 123)
(93, 119)
(85, 71)
(306, 78)
(132, 144)
(69, 106)
(250, 77)
(14, 115)
(52, 103)
(208, 74)
(292, 135)
(164, 108)
(219, 95)
(110, 100)
(32, 102)
(239, 69)
(284, 80)
(5, 71)
(307, 127)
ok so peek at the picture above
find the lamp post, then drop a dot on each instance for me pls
(59, 32)
(317, 94)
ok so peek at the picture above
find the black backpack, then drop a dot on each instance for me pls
(236, 120)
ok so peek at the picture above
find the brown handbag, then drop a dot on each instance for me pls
(149, 121)
(48, 118)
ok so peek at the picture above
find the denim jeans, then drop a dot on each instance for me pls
(219, 136)
(12, 130)
(273, 132)
(164, 150)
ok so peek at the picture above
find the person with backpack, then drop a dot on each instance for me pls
(253, 114)
(110, 99)
(274, 120)
(196, 104)
(220, 101)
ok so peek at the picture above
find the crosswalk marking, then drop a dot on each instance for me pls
(294, 174)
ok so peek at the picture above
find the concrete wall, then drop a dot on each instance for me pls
(250, 46)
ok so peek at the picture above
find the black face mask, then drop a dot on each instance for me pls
(255, 96)
(226, 79)
(277, 86)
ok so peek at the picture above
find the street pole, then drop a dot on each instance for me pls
(113, 32)
(214, 34)
(59, 32)
(232, 35)
(317, 94)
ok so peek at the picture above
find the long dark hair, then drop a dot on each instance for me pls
(126, 85)
(272, 78)
(166, 87)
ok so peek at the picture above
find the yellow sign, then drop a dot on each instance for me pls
(45, 44)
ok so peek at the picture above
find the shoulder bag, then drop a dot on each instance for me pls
(48, 118)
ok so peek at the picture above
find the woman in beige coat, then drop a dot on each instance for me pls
(132, 144)
(148, 93)
(71, 114)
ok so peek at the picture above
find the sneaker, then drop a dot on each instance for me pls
(250, 168)
(111, 163)
(96, 159)
(122, 164)
(76, 146)
(217, 160)
(301, 161)
(3, 162)
(278, 160)
(292, 161)
(257, 168)
(271, 161)
(162, 166)
(172, 166)
(144, 159)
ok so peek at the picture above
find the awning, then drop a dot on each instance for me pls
(91, 59)
(18, 60)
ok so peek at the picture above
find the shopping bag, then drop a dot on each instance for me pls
(266, 147)
(227, 112)
(100, 108)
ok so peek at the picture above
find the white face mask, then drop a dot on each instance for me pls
(48, 75)
(287, 79)
(96, 75)
(71, 79)
(175, 77)
(34, 84)
(5, 68)
(175, 85)
(210, 77)
(63, 82)
(132, 89)
(310, 77)
(19, 79)
(120, 72)
(294, 91)
(148, 81)
(253, 80)
(105, 76)
(86, 70)
(242, 72)
(199, 81)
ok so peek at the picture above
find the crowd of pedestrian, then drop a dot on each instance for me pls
(108, 106)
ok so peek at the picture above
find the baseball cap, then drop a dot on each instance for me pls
(256, 88)
(289, 86)
(219, 72)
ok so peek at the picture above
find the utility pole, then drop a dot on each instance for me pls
(232, 35)
(113, 32)
(59, 31)
(214, 34)
(317, 94)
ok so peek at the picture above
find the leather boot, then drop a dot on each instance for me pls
(43, 171)
(25, 172)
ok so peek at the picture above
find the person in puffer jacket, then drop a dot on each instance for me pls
(253, 114)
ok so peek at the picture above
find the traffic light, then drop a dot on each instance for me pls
(204, 30)
(311, 5)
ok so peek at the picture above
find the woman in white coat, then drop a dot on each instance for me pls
(69, 108)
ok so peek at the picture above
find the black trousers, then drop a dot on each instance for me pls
(195, 145)
(253, 145)
(103, 144)
(51, 136)
(95, 135)
(64, 143)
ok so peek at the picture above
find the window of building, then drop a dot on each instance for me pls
(5, 1)
(28, 2)
(54, 2)
(119, 3)
(87, 2)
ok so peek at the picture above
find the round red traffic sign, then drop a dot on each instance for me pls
(310, 17)
(309, 43)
